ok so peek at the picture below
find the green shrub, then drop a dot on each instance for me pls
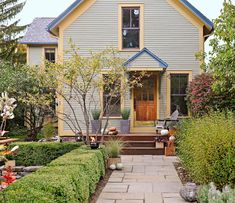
(125, 114)
(114, 147)
(36, 153)
(96, 114)
(71, 178)
(209, 194)
(206, 148)
(48, 131)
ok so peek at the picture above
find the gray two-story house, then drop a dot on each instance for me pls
(159, 36)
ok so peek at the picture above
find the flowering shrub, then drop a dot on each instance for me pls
(200, 94)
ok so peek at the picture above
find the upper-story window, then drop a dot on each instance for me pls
(131, 27)
(50, 54)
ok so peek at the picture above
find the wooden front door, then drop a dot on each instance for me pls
(145, 100)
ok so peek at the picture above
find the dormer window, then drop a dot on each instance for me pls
(131, 28)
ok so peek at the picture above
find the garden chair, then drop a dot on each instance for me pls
(162, 124)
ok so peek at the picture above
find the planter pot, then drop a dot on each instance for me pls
(94, 145)
(95, 126)
(125, 126)
(10, 163)
(159, 145)
(114, 161)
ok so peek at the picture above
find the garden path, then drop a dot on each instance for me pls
(145, 179)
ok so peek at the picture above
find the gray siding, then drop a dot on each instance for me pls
(167, 34)
(35, 55)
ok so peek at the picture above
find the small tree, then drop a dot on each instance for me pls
(222, 56)
(34, 101)
(79, 80)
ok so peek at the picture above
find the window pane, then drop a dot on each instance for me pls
(179, 83)
(175, 81)
(126, 18)
(179, 102)
(111, 98)
(135, 14)
(50, 55)
(130, 38)
(183, 84)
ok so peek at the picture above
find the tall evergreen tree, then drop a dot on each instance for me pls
(9, 29)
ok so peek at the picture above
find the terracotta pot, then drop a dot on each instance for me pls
(10, 163)
(113, 161)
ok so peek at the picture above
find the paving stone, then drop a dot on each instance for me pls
(113, 187)
(129, 201)
(122, 196)
(174, 200)
(166, 187)
(138, 169)
(140, 187)
(105, 201)
(153, 198)
(170, 195)
(115, 180)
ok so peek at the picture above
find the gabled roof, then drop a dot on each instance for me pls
(37, 33)
(185, 3)
(63, 15)
(162, 63)
(196, 12)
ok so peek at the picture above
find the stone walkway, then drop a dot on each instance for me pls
(145, 179)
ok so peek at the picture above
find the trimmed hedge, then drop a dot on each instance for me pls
(71, 178)
(39, 154)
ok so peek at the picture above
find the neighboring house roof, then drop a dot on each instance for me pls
(37, 33)
(162, 64)
(73, 6)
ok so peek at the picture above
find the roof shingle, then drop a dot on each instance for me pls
(37, 33)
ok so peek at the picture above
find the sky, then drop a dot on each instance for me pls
(52, 8)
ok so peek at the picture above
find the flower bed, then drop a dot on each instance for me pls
(70, 178)
(39, 154)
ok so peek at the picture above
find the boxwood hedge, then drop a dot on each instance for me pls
(71, 178)
(38, 154)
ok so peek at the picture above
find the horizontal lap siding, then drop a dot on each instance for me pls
(35, 55)
(167, 34)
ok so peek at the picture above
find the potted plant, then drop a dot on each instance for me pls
(125, 122)
(113, 149)
(96, 122)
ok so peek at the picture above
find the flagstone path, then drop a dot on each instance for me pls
(145, 179)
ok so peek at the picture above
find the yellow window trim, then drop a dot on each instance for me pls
(120, 6)
(168, 86)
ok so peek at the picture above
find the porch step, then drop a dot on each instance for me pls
(139, 143)
(142, 151)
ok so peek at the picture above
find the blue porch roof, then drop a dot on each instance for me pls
(162, 63)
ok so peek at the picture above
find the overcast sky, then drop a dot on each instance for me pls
(52, 8)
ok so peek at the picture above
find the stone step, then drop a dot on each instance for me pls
(142, 151)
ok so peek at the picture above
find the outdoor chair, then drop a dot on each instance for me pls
(162, 124)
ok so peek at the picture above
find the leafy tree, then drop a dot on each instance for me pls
(9, 28)
(34, 101)
(222, 56)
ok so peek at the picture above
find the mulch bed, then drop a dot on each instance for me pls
(101, 186)
(182, 173)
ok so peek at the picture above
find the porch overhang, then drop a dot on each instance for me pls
(145, 60)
